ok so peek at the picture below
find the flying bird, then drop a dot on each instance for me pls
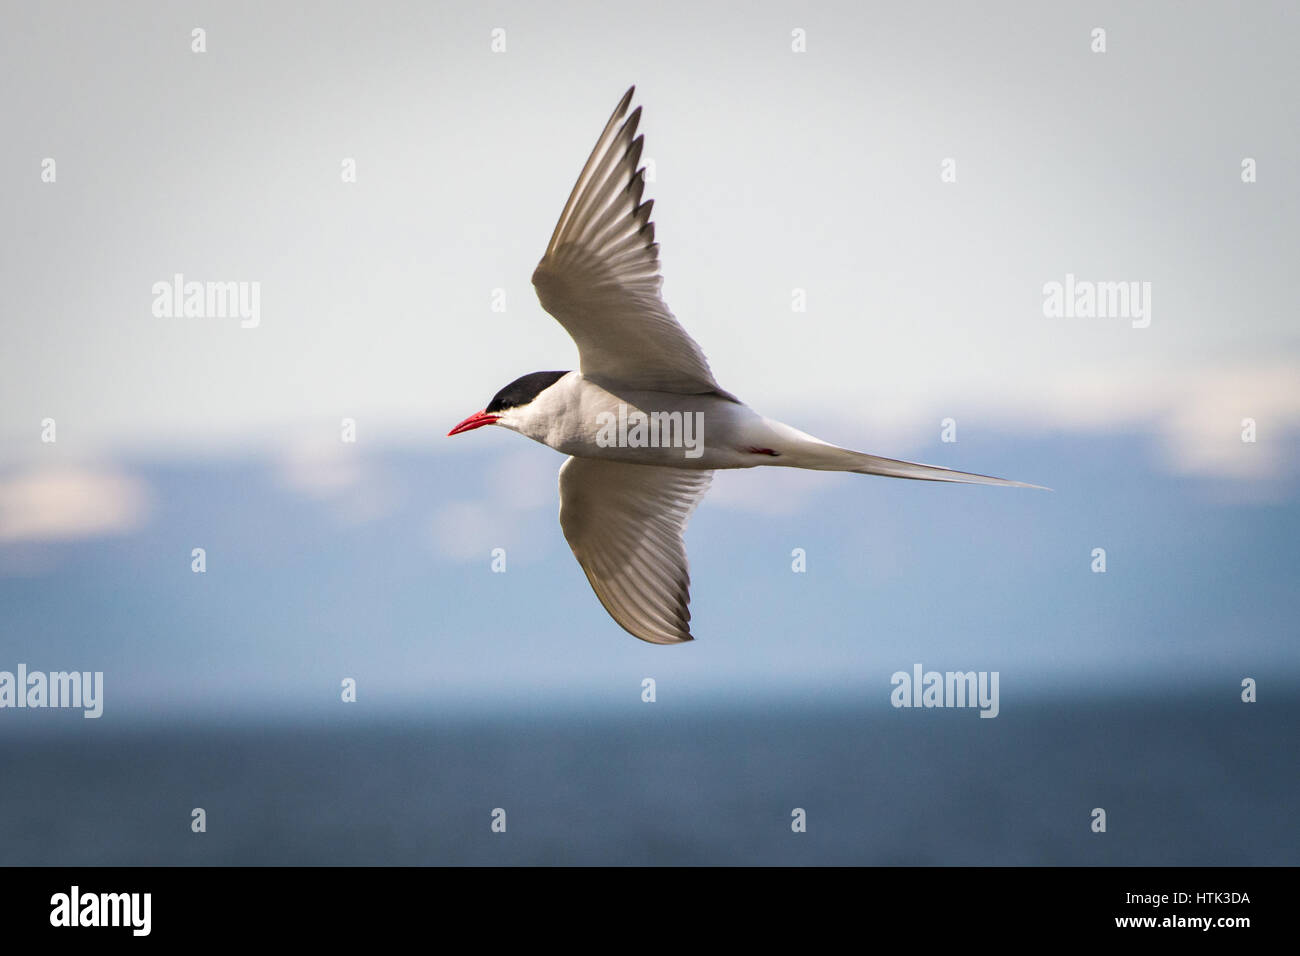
(642, 419)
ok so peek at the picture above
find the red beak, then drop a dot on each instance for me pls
(477, 420)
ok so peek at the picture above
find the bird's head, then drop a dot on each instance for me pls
(508, 404)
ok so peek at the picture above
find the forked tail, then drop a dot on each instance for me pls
(801, 450)
(873, 465)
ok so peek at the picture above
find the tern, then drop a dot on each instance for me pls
(642, 419)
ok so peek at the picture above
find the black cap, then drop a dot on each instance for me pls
(523, 390)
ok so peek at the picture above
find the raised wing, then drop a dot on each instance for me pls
(624, 523)
(600, 275)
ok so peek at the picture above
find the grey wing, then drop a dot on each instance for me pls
(600, 274)
(624, 523)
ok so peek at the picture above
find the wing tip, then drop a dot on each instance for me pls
(662, 638)
(676, 639)
(627, 98)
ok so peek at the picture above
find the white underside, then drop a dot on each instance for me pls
(574, 415)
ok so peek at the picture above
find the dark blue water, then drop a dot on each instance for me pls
(1194, 778)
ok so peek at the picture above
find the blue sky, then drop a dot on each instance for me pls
(774, 171)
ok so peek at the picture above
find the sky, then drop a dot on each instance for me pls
(773, 171)
(916, 176)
